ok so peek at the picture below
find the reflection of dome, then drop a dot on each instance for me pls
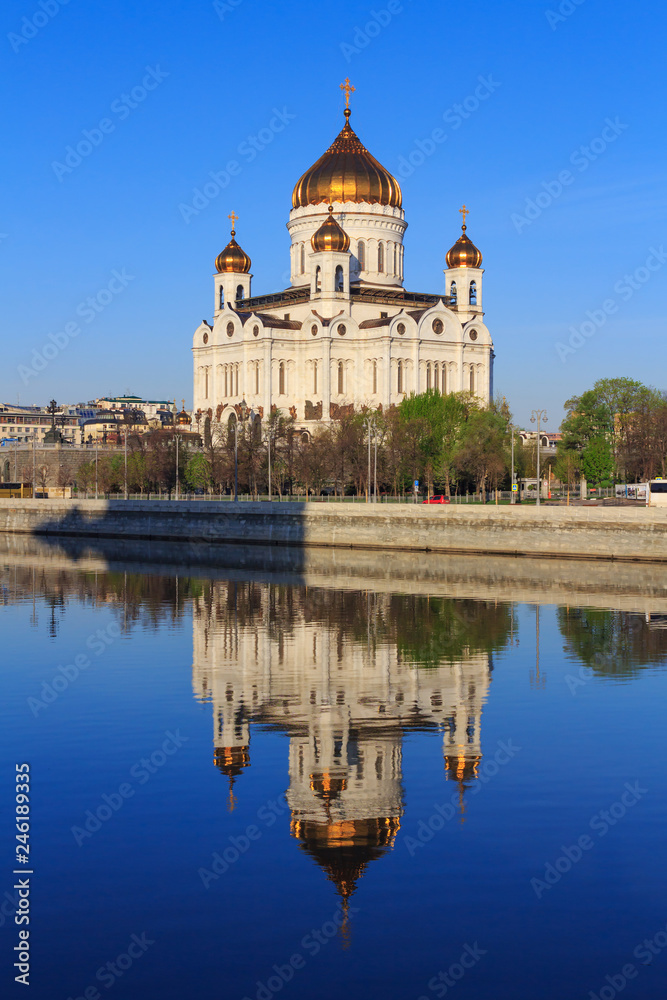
(464, 253)
(231, 760)
(344, 849)
(330, 236)
(460, 768)
(326, 786)
(347, 172)
(233, 258)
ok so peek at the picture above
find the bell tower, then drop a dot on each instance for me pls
(232, 281)
(463, 275)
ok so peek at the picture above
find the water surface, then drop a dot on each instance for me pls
(315, 781)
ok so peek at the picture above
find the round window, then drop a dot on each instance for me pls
(437, 326)
(313, 330)
(401, 328)
(205, 338)
(473, 334)
(342, 329)
(230, 329)
(255, 331)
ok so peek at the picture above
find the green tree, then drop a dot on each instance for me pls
(198, 472)
(482, 452)
(597, 461)
(587, 436)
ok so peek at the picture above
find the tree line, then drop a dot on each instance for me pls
(614, 432)
(446, 443)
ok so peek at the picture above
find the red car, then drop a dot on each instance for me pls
(437, 499)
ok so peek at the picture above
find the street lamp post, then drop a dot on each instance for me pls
(178, 438)
(512, 484)
(538, 415)
(270, 434)
(96, 444)
(369, 424)
(126, 463)
(242, 412)
(34, 466)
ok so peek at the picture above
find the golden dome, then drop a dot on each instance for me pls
(183, 417)
(330, 236)
(233, 258)
(464, 253)
(347, 172)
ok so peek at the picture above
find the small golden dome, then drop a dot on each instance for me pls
(233, 258)
(330, 236)
(347, 172)
(183, 417)
(464, 253)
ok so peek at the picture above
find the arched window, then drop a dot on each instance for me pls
(395, 259)
(428, 375)
(341, 374)
(205, 383)
(339, 284)
(318, 279)
(472, 379)
(361, 255)
(315, 377)
(226, 384)
(281, 378)
(222, 297)
(452, 293)
(375, 377)
(257, 377)
(436, 378)
(444, 380)
(473, 293)
(303, 258)
(381, 257)
(239, 292)
(236, 388)
(399, 377)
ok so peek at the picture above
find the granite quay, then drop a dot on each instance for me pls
(563, 532)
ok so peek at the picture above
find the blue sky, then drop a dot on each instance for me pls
(218, 73)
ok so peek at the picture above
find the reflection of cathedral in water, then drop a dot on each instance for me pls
(314, 665)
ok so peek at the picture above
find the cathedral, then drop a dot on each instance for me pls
(345, 335)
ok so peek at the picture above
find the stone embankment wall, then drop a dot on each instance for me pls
(566, 532)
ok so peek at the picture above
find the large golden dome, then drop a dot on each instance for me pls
(347, 172)
(330, 236)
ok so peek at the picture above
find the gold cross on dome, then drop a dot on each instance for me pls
(465, 213)
(234, 218)
(348, 89)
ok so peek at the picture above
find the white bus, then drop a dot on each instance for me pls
(653, 493)
(658, 493)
